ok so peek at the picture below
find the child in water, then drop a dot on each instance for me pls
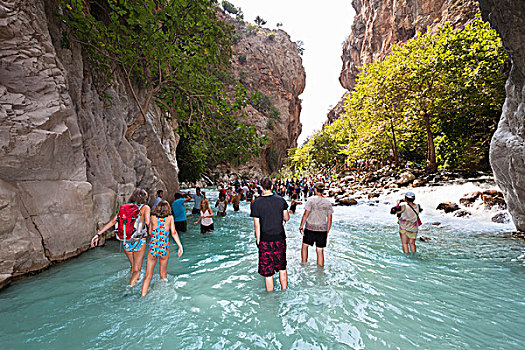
(161, 225)
(221, 205)
(205, 218)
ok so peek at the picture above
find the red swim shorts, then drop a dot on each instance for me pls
(272, 257)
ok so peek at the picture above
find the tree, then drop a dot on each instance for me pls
(171, 53)
(260, 21)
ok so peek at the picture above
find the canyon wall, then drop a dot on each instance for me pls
(267, 62)
(380, 24)
(507, 148)
(65, 163)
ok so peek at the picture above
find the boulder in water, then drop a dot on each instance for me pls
(493, 198)
(436, 223)
(462, 213)
(501, 218)
(348, 201)
(373, 195)
(469, 199)
(425, 239)
(448, 207)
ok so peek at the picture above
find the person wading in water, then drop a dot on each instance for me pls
(409, 222)
(270, 213)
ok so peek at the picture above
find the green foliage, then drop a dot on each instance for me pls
(174, 53)
(271, 36)
(251, 29)
(235, 38)
(435, 99)
(264, 104)
(272, 159)
(242, 59)
(270, 124)
(229, 7)
(260, 21)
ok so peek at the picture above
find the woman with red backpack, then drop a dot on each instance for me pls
(133, 219)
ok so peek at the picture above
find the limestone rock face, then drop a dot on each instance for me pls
(507, 148)
(380, 24)
(268, 62)
(64, 162)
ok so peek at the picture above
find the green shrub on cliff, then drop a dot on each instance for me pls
(171, 53)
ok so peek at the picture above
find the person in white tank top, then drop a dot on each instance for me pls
(206, 217)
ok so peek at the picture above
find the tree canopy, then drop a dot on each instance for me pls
(434, 100)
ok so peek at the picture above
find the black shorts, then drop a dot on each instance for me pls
(195, 211)
(317, 237)
(207, 229)
(181, 226)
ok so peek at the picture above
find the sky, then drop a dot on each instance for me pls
(323, 26)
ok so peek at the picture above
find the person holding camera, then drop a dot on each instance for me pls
(408, 220)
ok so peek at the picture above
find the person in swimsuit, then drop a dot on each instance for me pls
(161, 225)
(133, 250)
(205, 218)
(221, 205)
(294, 203)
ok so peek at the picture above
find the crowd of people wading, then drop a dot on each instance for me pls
(136, 223)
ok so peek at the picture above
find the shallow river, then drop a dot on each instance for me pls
(463, 290)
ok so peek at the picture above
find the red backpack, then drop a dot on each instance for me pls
(129, 226)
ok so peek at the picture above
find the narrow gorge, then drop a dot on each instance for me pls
(66, 163)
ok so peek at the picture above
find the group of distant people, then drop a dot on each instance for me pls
(270, 212)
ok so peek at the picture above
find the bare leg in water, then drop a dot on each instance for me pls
(404, 242)
(150, 267)
(136, 267)
(283, 279)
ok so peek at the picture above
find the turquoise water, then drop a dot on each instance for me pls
(464, 290)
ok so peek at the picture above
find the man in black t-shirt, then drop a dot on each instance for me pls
(270, 213)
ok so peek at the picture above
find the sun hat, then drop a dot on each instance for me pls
(319, 186)
(410, 195)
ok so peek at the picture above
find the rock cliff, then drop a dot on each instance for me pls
(65, 163)
(268, 62)
(380, 24)
(507, 148)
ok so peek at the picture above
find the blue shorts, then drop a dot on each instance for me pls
(133, 247)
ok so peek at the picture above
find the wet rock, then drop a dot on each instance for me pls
(448, 207)
(468, 199)
(436, 223)
(373, 195)
(348, 201)
(501, 218)
(418, 182)
(405, 178)
(492, 198)
(461, 213)
(425, 239)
